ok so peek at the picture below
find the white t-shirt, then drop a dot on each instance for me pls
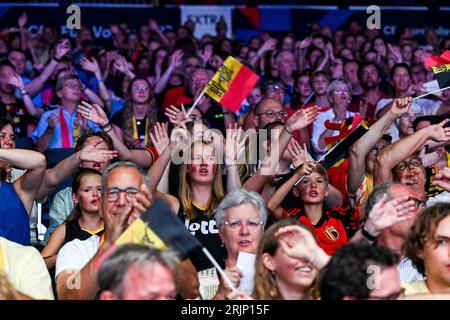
(443, 197)
(420, 107)
(75, 254)
(26, 270)
(319, 128)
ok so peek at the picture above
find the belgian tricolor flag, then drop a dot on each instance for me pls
(231, 84)
(159, 228)
(441, 68)
(351, 130)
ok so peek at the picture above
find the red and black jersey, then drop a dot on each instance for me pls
(334, 228)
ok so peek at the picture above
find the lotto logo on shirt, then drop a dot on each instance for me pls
(205, 227)
(331, 233)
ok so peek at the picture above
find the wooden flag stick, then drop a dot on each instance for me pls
(195, 103)
(222, 273)
(426, 94)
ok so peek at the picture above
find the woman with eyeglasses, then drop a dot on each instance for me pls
(85, 219)
(132, 124)
(339, 94)
(240, 217)
(287, 262)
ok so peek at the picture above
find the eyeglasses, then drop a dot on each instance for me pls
(235, 224)
(112, 194)
(272, 114)
(72, 86)
(275, 88)
(341, 91)
(140, 88)
(415, 162)
(417, 203)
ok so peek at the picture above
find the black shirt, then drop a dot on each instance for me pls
(118, 120)
(205, 230)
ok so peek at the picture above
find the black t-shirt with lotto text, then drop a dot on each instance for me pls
(17, 113)
(205, 230)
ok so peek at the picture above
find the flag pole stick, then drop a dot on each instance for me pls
(195, 103)
(426, 94)
(222, 273)
(320, 160)
(309, 98)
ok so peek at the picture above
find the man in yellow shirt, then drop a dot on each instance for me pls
(25, 269)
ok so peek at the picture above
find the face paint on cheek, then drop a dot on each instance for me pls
(194, 168)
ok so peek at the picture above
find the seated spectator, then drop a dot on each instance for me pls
(240, 217)
(84, 220)
(17, 198)
(135, 272)
(427, 245)
(25, 269)
(61, 128)
(287, 262)
(361, 271)
(333, 227)
(132, 124)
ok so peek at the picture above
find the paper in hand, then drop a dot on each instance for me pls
(246, 263)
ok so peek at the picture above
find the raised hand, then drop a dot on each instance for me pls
(299, 154)
(176, 59)
(22, 21)
(143, 201)
(114, 28)
(177, 116)
(234, 143)
(153, 25)
(438, 133)
(160, 138)
(302, 118)
(388, 213)
(400, 106)
(15, 80)
(307, 168)
(206, 54)
(90, 152)
(92, 112)
(91, 66)
(297, 243)
(442, 179)
(121, 64)
(429, 159)
(363, 105)
(305, 43)
(62, 48)
(396, 52)
(268, 45)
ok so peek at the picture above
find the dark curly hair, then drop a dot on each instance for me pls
(347, 272)
(422, 231)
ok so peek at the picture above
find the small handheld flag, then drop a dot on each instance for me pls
(159, 228)
(230, 85)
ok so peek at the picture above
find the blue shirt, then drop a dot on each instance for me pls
(14, 219)
(56, 139)
(37, 100)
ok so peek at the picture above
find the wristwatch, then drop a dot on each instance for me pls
(367, 235)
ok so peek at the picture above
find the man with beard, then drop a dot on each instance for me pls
(401, 80)
(369, 77)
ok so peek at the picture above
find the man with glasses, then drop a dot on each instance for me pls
(125, 196)
(269, 110)
(61, 127)
(390, 211)
(399, 162)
